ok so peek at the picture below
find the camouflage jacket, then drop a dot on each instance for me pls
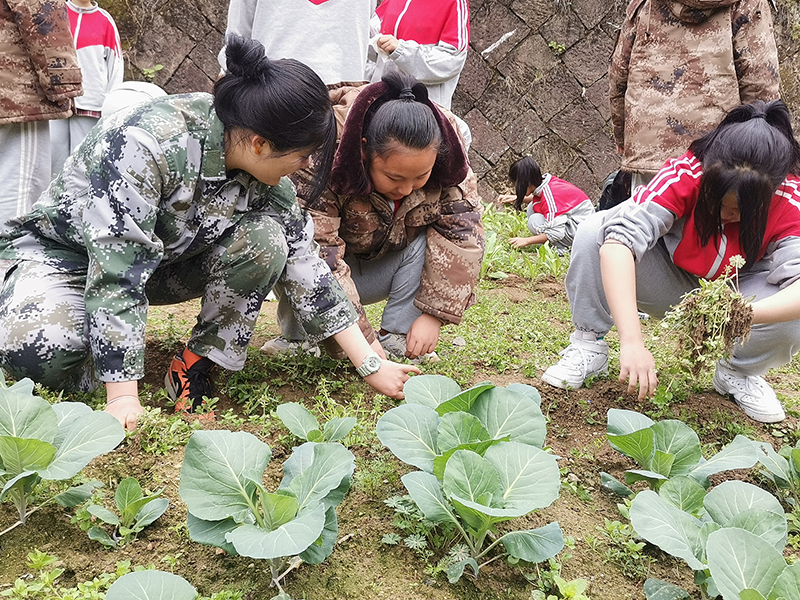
(39, 73)
(149, 187)
(679, 66)
(367, 227)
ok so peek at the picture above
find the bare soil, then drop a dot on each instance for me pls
(361, 567)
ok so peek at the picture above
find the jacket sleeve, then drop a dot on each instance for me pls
(115, 62)
(755, 54)
(455, 245)
(618, 76)
(430, 63)
(44, 29)
(317, 299)
(326, 214)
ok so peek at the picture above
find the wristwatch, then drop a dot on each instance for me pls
(372, 364)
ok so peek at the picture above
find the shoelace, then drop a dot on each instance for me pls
(585, 354)
(199, 383)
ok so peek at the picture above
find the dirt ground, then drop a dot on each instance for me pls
(361, 566)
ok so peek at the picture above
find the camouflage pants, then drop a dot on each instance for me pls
(43, 322)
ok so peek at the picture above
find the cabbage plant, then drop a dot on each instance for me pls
(668, 449)
(135, 511)
(482, 463)
(151, 585)
(783, 469)
(229, 507)
(681, 519)
(40, 441)
(299, 420)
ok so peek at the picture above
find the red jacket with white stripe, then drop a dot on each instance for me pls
(664, 209)
(556, 197)
(433, 41)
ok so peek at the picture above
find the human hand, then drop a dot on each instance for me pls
(520, 242)
(387, 43)
(125, 409)
(423, 335)
(506, 198)
(636, 364)
(391, 378)
(376, 346)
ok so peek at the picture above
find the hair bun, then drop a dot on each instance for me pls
(245, 57)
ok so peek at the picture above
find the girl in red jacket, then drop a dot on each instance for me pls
(556, 206)
(735, 192)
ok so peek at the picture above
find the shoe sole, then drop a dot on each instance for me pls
(759, 417)
(563, 384)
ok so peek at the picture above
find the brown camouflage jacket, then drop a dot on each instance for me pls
(680, 66)
(39, 73)
(366, 227)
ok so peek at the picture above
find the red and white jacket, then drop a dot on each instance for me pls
(99, 53)
(434, 38)
(556, 197)
(664, 209)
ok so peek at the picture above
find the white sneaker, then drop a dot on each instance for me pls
(394, 344)
(584, 357)
(753, 395)
(280, 345)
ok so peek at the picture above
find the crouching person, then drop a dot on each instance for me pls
(181, 197)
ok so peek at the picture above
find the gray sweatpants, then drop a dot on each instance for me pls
(394, 277)
(659, 286)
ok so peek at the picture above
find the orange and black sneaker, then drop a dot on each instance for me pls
(188, 380)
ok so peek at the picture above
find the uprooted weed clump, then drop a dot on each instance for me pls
(708, 321)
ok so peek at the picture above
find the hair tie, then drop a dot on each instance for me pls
(760, 116)
(407, 94)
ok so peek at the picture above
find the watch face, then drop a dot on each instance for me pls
(373, 362)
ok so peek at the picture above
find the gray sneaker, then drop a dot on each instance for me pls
(584, 357)
(753, 394)
(280, 345)
(394, 344)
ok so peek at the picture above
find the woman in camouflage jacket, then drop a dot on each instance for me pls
(178, 198)
(401, 218)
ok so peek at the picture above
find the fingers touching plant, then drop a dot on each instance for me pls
(229, 507)
(39, 441)
(479, 451)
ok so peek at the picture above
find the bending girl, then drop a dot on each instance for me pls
(181, 197)
(555, 209)
(734, 192)
(400, 220)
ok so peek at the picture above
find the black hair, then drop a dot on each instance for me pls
(524, 173)
(404, 118)
(749, 154)
(283, 101)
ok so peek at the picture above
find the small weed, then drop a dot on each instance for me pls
(571, 483)
(160, 434)
(619, 545)
(426, 539)
(558, 49)
(373, 475)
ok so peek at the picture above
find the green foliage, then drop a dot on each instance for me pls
(160, 434)
(52, 443)
(666, 450)
(480, 454)
(619, 545)
(299, 420)
(558, 49)
(44, 586)
(682, 519)
(500, 259)
(705, 324)
(135, 511)
(783, 470)
(151, 585)
(229, 507)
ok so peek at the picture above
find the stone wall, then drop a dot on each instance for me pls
(535, 82)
